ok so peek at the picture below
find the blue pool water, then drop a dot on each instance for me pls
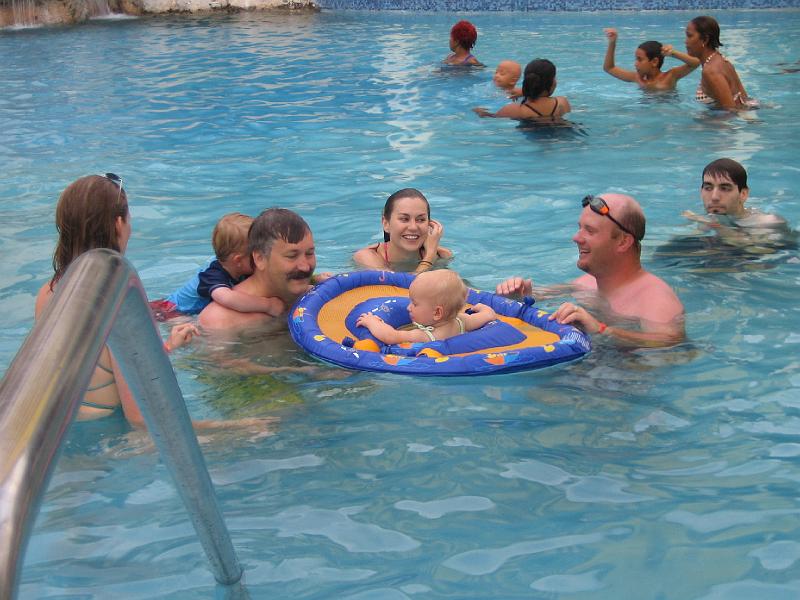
(656, 475)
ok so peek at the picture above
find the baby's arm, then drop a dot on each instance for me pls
(246, 303)
(480, 316)
(388, 334)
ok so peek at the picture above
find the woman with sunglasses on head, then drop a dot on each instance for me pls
(410, 237)
(92, 212)
(719, 85)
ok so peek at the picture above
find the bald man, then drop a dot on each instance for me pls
(645, 310)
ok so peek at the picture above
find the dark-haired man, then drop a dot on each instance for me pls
(644, 309)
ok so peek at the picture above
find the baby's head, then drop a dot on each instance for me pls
(230, 243)
(436, 297)
(463, 34)
(507, 74)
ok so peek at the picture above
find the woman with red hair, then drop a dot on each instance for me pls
(463, 36)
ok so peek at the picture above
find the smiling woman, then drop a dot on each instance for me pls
(410, 237)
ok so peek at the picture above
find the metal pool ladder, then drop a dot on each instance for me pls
(99, 301)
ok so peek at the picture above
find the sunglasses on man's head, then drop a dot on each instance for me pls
(598, 205)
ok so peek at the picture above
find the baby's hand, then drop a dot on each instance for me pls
(484, 310)
(367, 319)
(611, 34)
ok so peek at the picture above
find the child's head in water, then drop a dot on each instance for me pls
(464, 35)
(436, 297)
(229, 241)
(648, 59)
(507, 74)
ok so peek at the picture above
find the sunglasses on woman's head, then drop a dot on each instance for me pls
(598, 205)
(114, 178)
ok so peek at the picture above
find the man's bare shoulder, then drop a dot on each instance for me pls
(658, 300)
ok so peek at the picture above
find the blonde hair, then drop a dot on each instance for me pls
(230, 235)
(446, 289)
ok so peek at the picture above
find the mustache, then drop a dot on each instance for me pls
(297, 274)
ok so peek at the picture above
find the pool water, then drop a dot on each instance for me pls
(666, 474)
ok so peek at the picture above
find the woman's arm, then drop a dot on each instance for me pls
(608, 64)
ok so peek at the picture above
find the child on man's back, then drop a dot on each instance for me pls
(217, 279)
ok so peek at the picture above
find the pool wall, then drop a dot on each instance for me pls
(552, 5)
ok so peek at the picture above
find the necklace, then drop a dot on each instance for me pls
(710, 56)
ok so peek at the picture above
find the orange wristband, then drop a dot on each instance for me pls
(601, 327)
(166, 348)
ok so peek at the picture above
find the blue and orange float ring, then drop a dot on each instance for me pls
(323, 322)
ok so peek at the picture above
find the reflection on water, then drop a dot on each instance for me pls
(675, 467)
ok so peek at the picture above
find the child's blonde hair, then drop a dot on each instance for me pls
(447, 289)
(230, 235)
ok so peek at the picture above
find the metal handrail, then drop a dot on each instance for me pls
(99, 300)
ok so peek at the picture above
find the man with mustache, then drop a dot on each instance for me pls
(282, 249)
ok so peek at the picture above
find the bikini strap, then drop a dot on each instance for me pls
(460, 324)
(528, 106)
(95, 405)
(428, 329)
(102, 367)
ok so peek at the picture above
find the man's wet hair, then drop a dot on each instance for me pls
(728, 168)
(273, 224)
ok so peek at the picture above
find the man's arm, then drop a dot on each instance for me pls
(652, 334)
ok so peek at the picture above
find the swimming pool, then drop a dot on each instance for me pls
(648, 475)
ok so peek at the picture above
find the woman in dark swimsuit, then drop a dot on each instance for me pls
(410, 237)
(538, 85)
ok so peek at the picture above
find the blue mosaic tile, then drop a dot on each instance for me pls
(551, 5)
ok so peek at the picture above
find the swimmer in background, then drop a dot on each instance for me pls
(719, 85)
(463, 36)
(538, 85)
(410, 237)
(648, 60)
(436, 306)
(724, 192)
(506, 76)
